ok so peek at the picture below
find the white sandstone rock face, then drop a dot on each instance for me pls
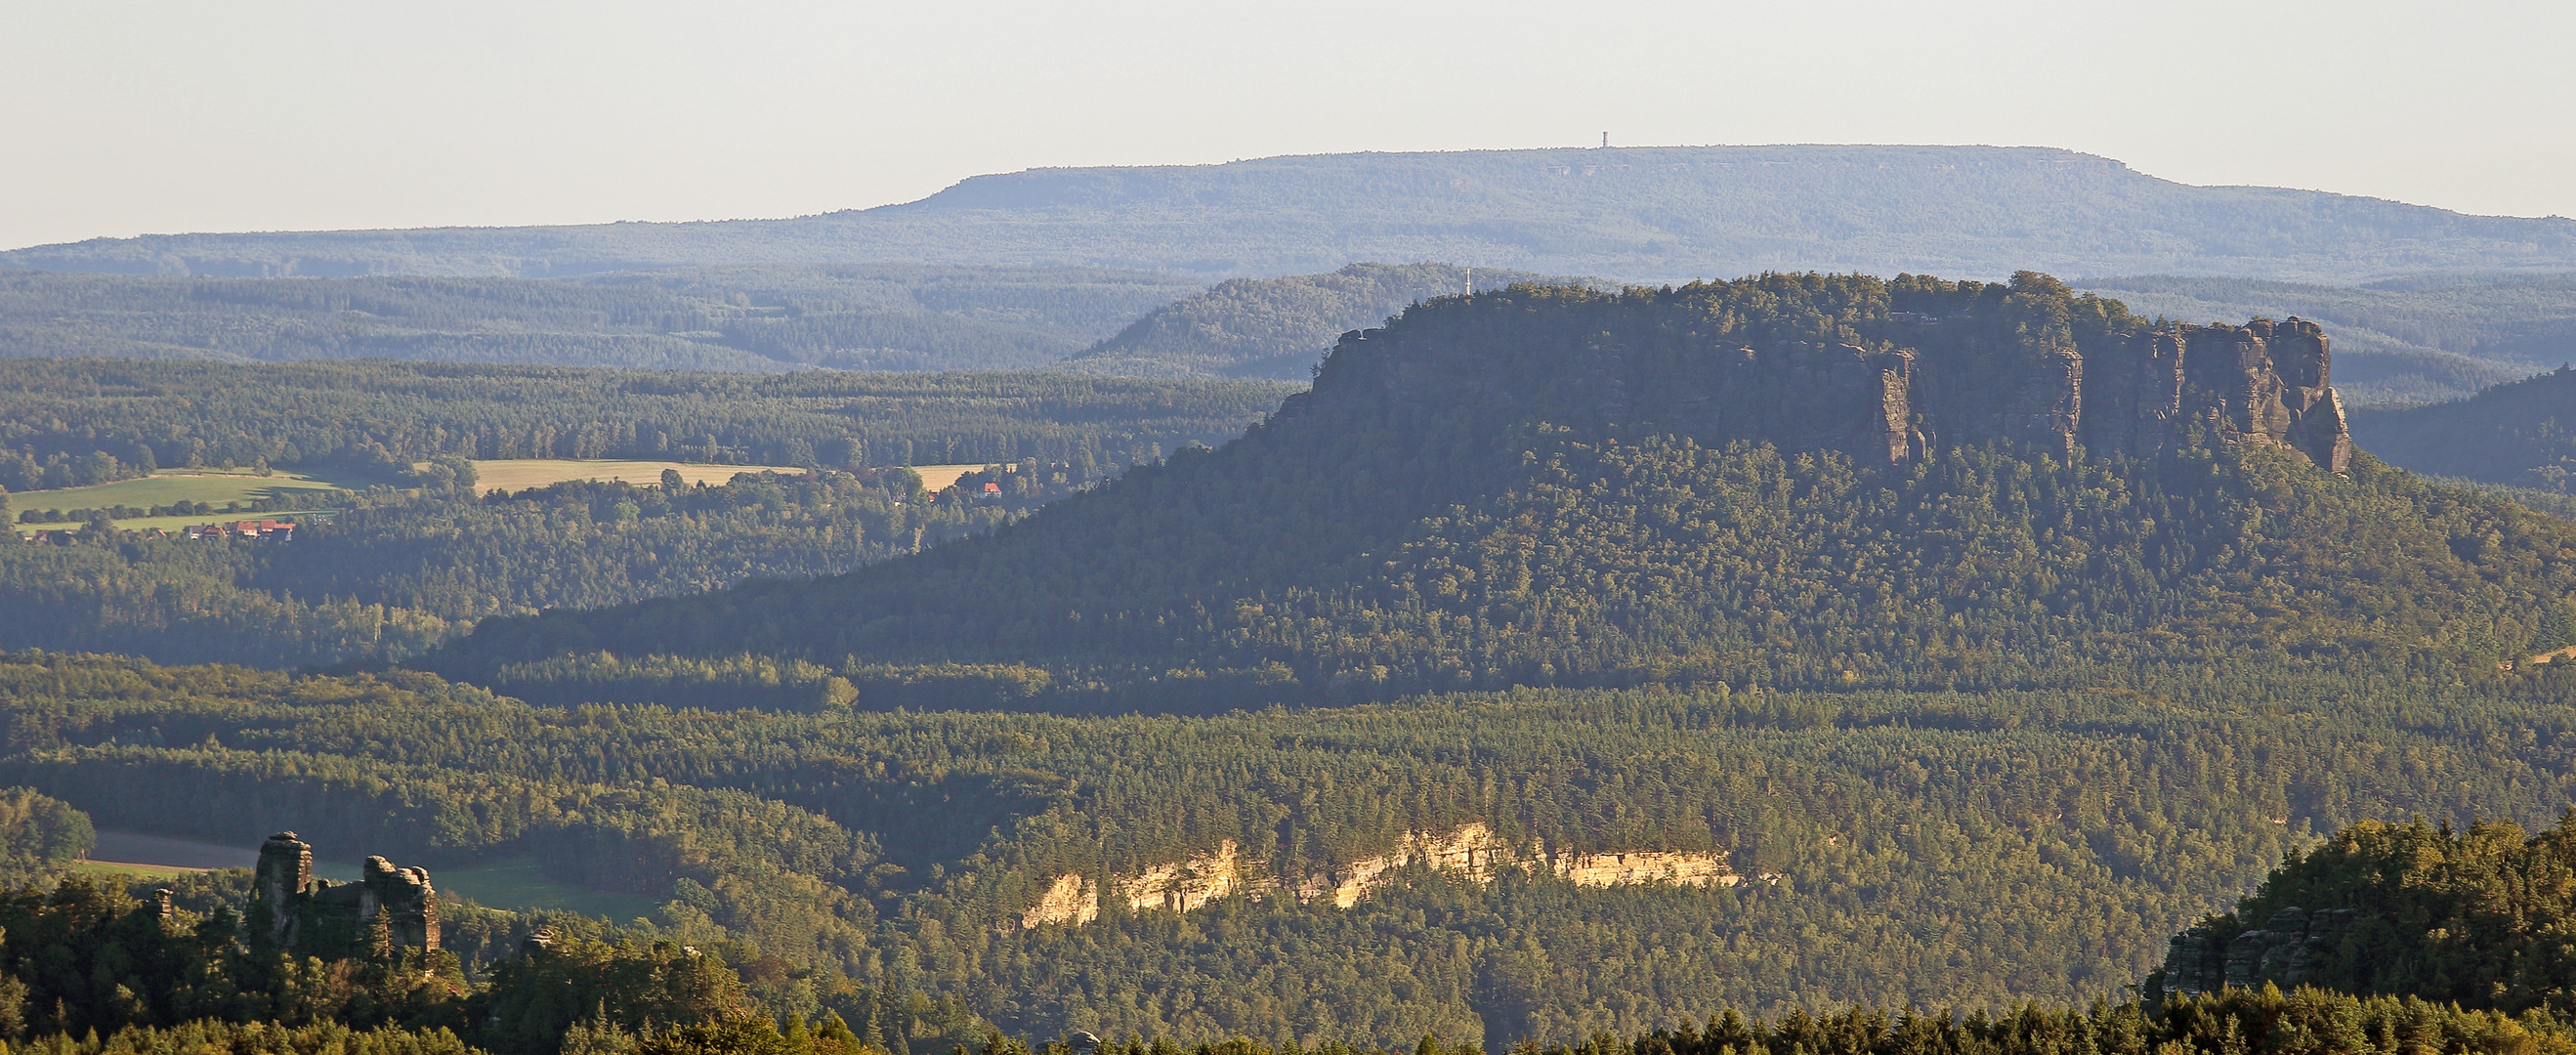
(1190, 884)
(1652, 866)
(1470, 850)
(1068, 899)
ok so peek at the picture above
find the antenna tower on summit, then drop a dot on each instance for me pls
(1605, 140)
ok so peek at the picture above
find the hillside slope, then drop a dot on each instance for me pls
(2518, 434)
(1893, 849)
(2468, 917)
(1632, 214)
(1276, 328)
(1786, 480)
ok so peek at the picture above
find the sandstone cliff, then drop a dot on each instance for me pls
(1471, 850)
(303, 913)
(1922, 388)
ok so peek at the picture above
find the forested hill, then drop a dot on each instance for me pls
(2522, 434)
(64, 412)
(1276, 327)
(1803, 480)
(872, 317)
(2472, 917)
(1636, 214)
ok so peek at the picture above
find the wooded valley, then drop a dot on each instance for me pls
(1631, 672)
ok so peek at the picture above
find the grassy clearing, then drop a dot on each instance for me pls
(517, 883)
(519, 474)
(185, 485)
(173, 524)
(172, 486)
(125, 870)
(943, 477)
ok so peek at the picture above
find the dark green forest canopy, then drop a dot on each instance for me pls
(1931, 849)
(169, 414)
(1529, 487)
(2471, 915)
(392, 573)
(1981, 723)
(2522, 434)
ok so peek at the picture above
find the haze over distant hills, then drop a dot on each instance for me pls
(756, 319)
(1277, 328)
(1631, 214)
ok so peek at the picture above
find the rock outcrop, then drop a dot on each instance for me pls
(1652, 866)
(2265, 382)
(2289, 949)
(309, 915)
(1471, 850)
(1190, 884)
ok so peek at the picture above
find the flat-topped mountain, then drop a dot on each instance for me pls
(1783, 480)
(1631, 214)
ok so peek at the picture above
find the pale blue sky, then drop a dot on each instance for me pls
(119, 118)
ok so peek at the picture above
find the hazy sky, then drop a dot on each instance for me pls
(119, 118)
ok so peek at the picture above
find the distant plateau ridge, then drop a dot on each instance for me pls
(1645, 214)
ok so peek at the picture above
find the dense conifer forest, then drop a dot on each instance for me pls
(75, 422)
(1508, 490)
(415, 559)
(392, 573)
(1960, 708)
(1923, 849)
(2511, 434)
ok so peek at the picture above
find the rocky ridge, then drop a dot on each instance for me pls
(298, 911)
(1922, 388)
(1472, 850)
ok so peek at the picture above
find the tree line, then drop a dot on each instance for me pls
(1915, 848)
(395, 572)
(73, 422)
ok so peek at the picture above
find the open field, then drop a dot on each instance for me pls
(125, 870)
(942, 477)
(516, 883)
(519, 474)
(162, 851)
(173, 524)
(186, 485)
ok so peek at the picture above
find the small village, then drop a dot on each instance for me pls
(263, 530)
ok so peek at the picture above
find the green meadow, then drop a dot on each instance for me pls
(170, 487)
